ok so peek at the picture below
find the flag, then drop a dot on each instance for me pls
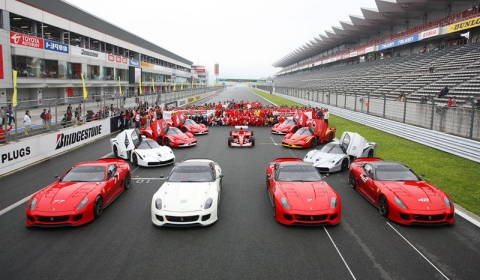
(120, 86)
(140, 82)
(14, 98)
(85, 94)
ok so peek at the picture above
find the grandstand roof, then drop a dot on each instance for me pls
(75, 14)
(370, 24)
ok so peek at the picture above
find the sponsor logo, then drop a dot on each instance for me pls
(64, 140)
(88, 53)
(26, 40)
(423, 199)
(13, 155)
(464, 25)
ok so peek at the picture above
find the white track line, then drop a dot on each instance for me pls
(467, 217)
(417, 251)
(338, 251)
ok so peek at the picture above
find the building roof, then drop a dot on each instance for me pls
(77, 15)
(370, 24)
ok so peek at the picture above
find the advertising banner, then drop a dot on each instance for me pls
(399, 42)
(429, 33)
(462, 25)
(26, 40)
(55, 46)
(87, 53)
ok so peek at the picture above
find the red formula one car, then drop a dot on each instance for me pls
(299, 195)
(168, 136)
(80, 194)
(188, 125)
(316, 133)
(399, 193)
(241, 137)
(291, 125)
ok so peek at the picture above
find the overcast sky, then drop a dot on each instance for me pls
(245, 37)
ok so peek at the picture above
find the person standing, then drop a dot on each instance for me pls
(44, 118)
(326, 115)
(27, 122)
(11, 116)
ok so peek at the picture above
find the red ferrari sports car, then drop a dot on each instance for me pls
(80, 194)
(241, 137)
(188, 125)
(168, 136)
(316, 133)
(299, 195)
(399, 193)
(291, 125)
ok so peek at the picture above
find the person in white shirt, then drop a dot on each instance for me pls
(27, 122)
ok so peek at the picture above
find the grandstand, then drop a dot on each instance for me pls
(380, 54)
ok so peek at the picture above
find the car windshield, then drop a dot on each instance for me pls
(174, 130)
(332, 148)
(148, 144)
(395, 172)
(86, 173)
(190, 122)
(303, 131)
(191, 173)
(289, 121)
(298, 173)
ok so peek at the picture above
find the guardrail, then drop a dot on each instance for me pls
(462, 147)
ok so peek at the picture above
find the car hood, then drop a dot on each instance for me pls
(184, 197)
(64, 196)
(308, 196)
(283, 127)
(418, 195)
(323, 158)
(162, 152)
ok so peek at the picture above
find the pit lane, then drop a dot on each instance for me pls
(246, 242)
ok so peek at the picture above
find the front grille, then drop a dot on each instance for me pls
(186, 219)
(170, 161)
(52, 219)
(428, 217)
(311, 218)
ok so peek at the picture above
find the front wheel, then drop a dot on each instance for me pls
(330, 139)
(98, 207)
(370, 153)
(313, 142)
(344, 164)
(383, 206)
(115, 151)
(252, 139)
(127, 182)
(230, 140)
(135, 159)
(166, 142)
(352, 181)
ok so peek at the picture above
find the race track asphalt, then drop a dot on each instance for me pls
(245, 243)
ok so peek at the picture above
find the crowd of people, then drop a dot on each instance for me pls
(229, 113)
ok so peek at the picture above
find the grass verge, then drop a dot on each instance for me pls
(459, 177)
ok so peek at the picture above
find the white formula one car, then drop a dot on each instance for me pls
(130, 145)
(336, 156)
(190, 195)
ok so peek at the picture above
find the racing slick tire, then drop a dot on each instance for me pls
(252, 140)
(251, 132)
(230, 140)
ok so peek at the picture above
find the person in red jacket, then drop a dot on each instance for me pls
(3, 133)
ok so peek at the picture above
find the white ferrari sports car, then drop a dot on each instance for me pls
(190, 195)
(336, 156)
(130, 145)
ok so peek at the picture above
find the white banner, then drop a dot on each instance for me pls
(87, 53)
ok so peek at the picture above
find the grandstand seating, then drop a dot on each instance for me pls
(457, 67)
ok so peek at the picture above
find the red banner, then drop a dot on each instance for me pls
(26, 40)
(1, 63)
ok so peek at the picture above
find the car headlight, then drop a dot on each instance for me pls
(284, 202)
(448, 202)
(82, 203)
(399, 202)
(333, 202)
(208, 203)
(158, 203)
(33, 203)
